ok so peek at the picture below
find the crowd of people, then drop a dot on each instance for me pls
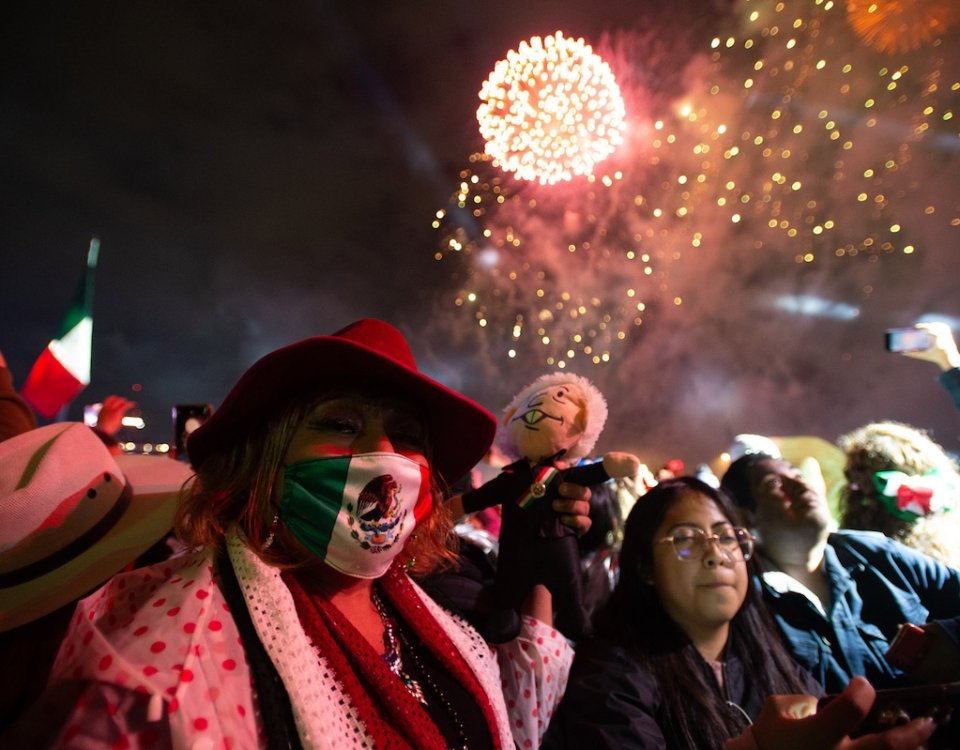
(328, 588)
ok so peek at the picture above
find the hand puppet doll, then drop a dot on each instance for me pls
(546, 427)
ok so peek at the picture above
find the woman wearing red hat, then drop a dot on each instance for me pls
(295, 622)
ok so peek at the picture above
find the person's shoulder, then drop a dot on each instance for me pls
(180, 578)
(610, 673)
(874, 548)
(856, 549)
(858, 539)
(189, 565)
(146, 617)
(608, 654)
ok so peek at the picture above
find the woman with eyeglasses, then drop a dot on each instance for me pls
(685, 655)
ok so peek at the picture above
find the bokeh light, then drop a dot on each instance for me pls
(823, 156)
(551, 110)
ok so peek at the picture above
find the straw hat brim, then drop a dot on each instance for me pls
(154, 484)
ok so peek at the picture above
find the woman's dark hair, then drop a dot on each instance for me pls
(606, 519)
(693, 712)
(736, 480)
(600, 547)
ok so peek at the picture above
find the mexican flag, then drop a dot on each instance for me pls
(63, 369)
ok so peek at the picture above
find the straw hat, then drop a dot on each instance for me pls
(72, 515)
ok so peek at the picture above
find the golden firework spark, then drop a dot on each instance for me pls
(893, 26)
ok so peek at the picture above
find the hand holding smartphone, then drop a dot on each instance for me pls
(897, 706)
(908, 340)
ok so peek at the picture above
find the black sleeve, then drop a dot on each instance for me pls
(610, 704)
(506, 487)
(587, 475)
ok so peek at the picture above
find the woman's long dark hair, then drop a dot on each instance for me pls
(635, 618)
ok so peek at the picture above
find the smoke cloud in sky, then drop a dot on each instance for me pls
(744, 326)
(257, 175)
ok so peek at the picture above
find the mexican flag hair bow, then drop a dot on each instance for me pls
(910, 497)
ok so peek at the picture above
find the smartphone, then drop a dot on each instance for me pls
(897, 706)
(187, 418)
(909, 647)
(908, 340)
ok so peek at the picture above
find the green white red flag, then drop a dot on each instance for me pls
(63, 369)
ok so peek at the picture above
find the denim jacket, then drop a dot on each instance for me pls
(875, 585)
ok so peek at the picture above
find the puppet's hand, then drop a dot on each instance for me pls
(506, 487)
(619, 465)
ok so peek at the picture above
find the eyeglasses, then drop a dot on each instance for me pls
(691, 542)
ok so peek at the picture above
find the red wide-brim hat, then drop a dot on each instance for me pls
(460, 430)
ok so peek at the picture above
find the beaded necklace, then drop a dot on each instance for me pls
(392, 653)
(393, 637)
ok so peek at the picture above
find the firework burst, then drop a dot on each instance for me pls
(551, 110)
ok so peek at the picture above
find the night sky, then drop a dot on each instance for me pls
(262, 172)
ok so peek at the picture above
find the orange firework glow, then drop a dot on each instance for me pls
(551, 110)
(901, 25)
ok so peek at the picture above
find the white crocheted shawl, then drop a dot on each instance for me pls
(323, 715)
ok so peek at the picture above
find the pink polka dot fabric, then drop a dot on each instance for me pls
(533, 670)
(160, 661)
(165, 632)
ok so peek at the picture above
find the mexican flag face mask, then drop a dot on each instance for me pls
(355, 512)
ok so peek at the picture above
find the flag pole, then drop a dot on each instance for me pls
(93, 255)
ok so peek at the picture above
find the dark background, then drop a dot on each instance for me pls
(262, 172)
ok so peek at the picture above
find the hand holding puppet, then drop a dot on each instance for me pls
(548, 425)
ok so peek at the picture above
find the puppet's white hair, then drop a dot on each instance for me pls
(595, 418)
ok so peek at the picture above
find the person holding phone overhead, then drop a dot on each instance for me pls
(938, 347)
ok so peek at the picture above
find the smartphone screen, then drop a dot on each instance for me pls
(908, 340)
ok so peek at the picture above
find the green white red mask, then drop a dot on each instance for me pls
(355, 512)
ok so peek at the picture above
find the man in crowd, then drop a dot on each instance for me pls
(840, 597)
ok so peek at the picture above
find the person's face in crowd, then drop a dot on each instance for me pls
(349, 421)
(704, 592)
(784, 500)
